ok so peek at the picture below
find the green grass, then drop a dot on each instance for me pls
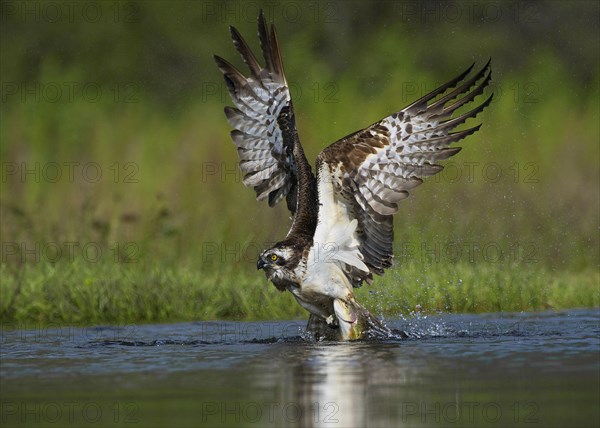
(170, 201)
(84, 293)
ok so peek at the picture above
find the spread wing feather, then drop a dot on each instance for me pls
(262, 117)
(367, 173)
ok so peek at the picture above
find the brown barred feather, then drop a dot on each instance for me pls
(369, 171)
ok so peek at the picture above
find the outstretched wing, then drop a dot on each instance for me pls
(263, 118)
(363, 176)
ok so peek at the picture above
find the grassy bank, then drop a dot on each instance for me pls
(121, 201)
(106, 293)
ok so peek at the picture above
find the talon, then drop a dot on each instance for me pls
(332, 321)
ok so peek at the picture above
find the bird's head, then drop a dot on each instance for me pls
(280, 263)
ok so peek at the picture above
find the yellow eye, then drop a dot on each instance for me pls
(274, 257)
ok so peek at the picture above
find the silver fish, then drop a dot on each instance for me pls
(349, 321)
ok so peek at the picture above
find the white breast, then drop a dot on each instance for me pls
(325, 276)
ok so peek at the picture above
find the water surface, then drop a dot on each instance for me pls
(454, 370)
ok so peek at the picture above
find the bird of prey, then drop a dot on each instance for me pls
(342, 218)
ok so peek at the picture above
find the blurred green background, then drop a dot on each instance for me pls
(120, 194)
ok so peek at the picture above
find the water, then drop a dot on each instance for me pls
(495, 370)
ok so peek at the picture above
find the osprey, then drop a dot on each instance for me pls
(342, 224)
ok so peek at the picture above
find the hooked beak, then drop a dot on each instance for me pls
(260, 263)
